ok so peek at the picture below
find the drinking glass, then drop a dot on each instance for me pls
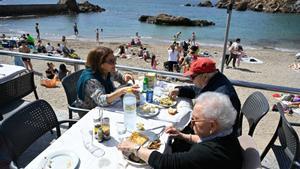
(99, 113)
(121, 130)
(87, 140)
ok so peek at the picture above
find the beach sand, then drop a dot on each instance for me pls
(273, 71)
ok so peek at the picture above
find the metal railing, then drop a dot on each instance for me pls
(76, 63)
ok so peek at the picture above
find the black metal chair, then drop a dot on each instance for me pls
(254, 109)
(13, 91)
(27, 125)
(69, 83)
(287, 152)
(251, 159)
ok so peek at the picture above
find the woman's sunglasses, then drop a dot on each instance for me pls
(111, 61)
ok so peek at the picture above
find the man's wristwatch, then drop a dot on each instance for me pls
(136, 149)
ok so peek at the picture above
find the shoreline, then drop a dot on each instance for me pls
(274, 71)
(156, 41)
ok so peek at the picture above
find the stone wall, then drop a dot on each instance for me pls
(16, 10)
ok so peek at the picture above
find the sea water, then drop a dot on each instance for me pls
(120, 23)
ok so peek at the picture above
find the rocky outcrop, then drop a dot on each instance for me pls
(205, 4)
(62, 7)
(242, 6)
(188, 4)
(282, 6)
(165, 19)
(273, 6)
(88, 7)
(72, 5)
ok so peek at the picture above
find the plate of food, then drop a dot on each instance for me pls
(165, 102)
(140, 139)
(147, 110)
(62, 160)
(143, 140)
(134, 160)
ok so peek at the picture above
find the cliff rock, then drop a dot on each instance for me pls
(88, 7)
(205, 4)
(273, 6)
(165, 19)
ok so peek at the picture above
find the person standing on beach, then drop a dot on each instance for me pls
(25, 49)
(234, 51)
(64, 41)
(97, 35)
(37, 29)
(173, 56)
(75, 29)
(227, 56)
(193, 39)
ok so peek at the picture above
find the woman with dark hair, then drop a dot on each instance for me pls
(95, 86)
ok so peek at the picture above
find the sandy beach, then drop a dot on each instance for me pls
(275, 70)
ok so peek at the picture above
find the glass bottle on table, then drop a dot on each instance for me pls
(129, 107)
(145, 84)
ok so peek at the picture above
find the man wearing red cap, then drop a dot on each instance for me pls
(205, 77)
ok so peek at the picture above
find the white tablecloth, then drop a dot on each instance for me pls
(72, 140)
(8, 72)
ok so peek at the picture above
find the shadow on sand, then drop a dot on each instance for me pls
(243, 69)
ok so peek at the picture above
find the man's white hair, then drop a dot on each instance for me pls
(217, 106)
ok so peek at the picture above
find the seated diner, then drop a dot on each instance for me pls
(95, 86)
(216, 145)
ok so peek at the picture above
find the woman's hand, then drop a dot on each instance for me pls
(126, 146)
(123, 90)
(174, 93)
(128, 77)
(173, 132)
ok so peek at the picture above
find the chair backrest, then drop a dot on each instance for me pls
(251, 158)
(69, 83)
(288, 152)
(27, 125)
(255, 107)
(17, 88)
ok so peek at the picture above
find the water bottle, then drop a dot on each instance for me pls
(129, 107)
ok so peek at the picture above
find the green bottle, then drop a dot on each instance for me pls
(145, 85)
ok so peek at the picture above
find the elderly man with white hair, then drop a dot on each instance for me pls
(217, 146)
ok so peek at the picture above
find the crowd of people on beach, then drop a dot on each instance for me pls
(135, 48)
(26, 43)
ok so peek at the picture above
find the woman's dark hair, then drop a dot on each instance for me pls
(97, 56)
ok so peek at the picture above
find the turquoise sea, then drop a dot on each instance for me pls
(120, 22)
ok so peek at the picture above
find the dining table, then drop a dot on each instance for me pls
(8, 72)
(74, 141)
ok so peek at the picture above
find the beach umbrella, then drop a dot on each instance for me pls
(229, 12)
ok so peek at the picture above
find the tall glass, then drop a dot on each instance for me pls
(88, 138)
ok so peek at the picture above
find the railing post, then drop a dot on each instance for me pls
(76, 67)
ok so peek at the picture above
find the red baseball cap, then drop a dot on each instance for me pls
(201, 65)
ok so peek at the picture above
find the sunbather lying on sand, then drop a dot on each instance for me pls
(295, 66)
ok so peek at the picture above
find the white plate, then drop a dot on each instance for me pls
(148, 114)
(161, 149)
(62, 160)
(132, 162)
(157, 102)
(296, 110)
